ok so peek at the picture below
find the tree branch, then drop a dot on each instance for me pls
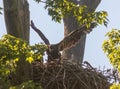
(42, 36)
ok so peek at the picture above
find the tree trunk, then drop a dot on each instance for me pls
(17, 24)
(17, 18)
(76, 53)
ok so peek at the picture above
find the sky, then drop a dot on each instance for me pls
(55, 31)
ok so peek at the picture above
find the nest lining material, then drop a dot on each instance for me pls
(68, 76)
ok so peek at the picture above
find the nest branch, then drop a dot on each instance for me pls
(69, 76)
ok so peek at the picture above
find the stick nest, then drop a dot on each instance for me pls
(68, 75)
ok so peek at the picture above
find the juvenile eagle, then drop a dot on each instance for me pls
(71, 39)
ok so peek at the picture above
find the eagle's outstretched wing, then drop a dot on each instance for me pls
(72, 38)
(42, 36)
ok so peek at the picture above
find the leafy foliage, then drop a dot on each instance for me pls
(38, 1)
(115, 86)
(12, 49)
(58, 9)
(27, 85)
(111, 47)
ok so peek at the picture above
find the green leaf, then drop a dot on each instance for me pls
(38, 1)
(59, 9)
(111, 47)
(12, 49)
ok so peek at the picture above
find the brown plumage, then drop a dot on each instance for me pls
(70, 40)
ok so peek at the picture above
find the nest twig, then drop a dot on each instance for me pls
(69, 76)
